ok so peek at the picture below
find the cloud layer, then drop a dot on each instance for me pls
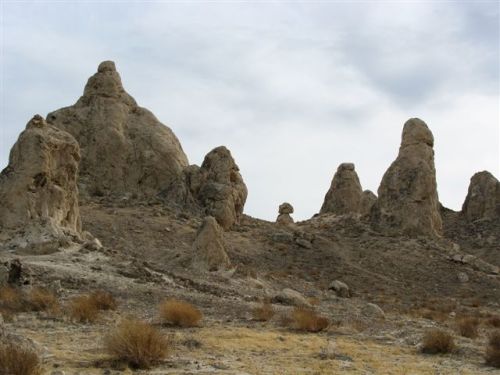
(292, 89)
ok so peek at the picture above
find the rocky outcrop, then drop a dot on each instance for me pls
(209, 250)
(368, 199)
(284, 218)
(216, 188)
(407, 202)
(483, 198)
(125, 149)
(344, 195)
(38, 189)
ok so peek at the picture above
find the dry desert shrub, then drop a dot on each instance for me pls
(306, 319)
(103, 300)
(493, 321)
(15, 360)
(138, 344)
(437, 341)
(263, 313)
(11, 300)
(41, 299)
(82, 309)
(179, 313)
(468, 327)
(493, 350)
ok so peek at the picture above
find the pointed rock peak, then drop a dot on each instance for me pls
(346, 167)
(345, 192)
(108, 84)
(483, 197)
(415, 131)
(36, 122)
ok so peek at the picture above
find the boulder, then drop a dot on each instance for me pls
(483, 198)
(344, 195)
(290, 297)
(284, 218)
(462, 277)
(341, 289)
(38, 189)
(209, 249)
(368, 199)
(407, 202)
(372, 311)
(125, 149)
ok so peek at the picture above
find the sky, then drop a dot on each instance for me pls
(293, 89)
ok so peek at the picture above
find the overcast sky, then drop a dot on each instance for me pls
(293, 89)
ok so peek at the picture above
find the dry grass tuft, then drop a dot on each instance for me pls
(179, 313)
(82, 309)
(437, 341)
(11, 299)
(263, 313)
(103, 300)
(138, 344)
(15, 360)
(306, 319)
(468, 327)
(493, 350)
(43, 300)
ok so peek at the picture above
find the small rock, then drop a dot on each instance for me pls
(372, 310)
(290, 297)
(283, 237)
(303, 243)
(285, 208)
(462, 277)
(340, 288)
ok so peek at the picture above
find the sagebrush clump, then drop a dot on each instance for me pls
(437, 341)
(103, 300)
(306, 319)
(179, 313)
(41, 299)
(138, 344)
(82, 309)
(468, 327)
(263, 313)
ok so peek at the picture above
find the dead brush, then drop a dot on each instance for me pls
(138, 344)
(306, 319)
(468, 327)
(15, 360)
(11, 300)
(103, 300)
(41, 299)
(264, 312)
(437, 341)
(82, 309)
(179, 313)
(493, 321)
(493, 350)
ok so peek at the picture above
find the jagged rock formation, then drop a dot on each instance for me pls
(368, 199)
(483, 197)
(209, 250)
(216, 188)
(125, 149)
(38, 189)
(344, 195)
(284, 218)
(407, 200)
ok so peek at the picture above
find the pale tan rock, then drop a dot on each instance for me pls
(285, 208)
(344, 195)
(284, 219)
(290, 297)
(125, 149)
(340, 288)
(483, 197)
(209, 249)
(407, 202)
(368, 199)
(38, 189)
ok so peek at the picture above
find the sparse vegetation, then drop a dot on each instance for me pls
(306, 319)
(493, 350)
(179, 313)
(43, 300)
(15, 360)
(468, 327)
(493, 321)
(83, 309)
(11, 299)
(138, 344)
(437, 341)
(263, 313)
(103, 300)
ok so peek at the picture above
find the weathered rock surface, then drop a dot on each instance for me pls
(483, 198)
(284, 218)
(209, 250)
(407, 202)
(344, 195)
(216, 188)
(125, 149)
(38, 189)
(290, 297)
(341, 289)
(372, 311)
(368, 199)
